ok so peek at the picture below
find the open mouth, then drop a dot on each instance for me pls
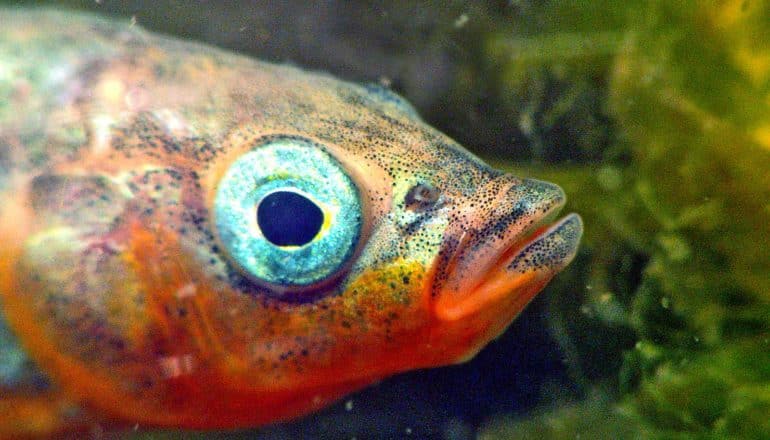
(517, 246)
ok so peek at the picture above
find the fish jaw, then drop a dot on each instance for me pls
(493, 265)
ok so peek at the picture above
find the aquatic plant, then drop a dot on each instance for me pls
(677, 236)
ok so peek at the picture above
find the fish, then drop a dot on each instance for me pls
(192, 238)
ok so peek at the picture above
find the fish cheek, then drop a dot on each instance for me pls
(387, 303)
(378, 323)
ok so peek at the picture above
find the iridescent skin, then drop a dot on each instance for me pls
(112, 278)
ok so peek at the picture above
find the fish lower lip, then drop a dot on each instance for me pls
(534, 232)
(558, 240)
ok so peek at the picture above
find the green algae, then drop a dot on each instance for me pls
(688, 91)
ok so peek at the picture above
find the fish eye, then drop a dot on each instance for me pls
(288, 214)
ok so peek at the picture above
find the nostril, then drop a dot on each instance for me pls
(421, 196)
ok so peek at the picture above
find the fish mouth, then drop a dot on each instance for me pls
(507, 253)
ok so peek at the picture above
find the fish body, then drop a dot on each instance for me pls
(192, 238)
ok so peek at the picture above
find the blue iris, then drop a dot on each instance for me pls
(288, 214)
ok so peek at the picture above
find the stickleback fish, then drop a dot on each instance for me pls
(192, 238)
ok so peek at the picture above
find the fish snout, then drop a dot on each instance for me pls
(505, 222)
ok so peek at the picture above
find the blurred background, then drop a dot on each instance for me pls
(654, 116)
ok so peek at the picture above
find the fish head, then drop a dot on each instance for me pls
(242, 247)
(447, 251)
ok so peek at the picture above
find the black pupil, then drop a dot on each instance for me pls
(289, 219)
